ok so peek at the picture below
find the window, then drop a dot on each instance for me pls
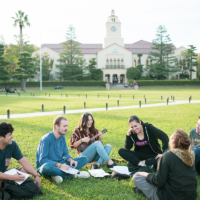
(118, 62)
(114, 62)
(111, 62)
(134, 63)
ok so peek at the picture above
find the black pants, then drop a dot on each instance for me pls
(135, 157)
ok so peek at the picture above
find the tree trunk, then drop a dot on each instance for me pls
(23, 85)
(21, 40)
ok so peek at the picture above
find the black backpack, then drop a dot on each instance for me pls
(27, 190)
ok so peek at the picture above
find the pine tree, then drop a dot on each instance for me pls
(4, 74)
(94, 74)
(71, 58)
(162, 63)
(25, 69)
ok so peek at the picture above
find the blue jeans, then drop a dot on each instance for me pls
(48, 169)
(97, 152)
(197, 155)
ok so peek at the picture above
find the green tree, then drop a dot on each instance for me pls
(21, 20)
(24, 70)
(192, 59)
(4, 74)
(133, 73)
(47, 65)
(94, 74)
(12, 53)
(162, 64)
(73, 63)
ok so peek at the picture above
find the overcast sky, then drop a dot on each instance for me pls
(140, 19)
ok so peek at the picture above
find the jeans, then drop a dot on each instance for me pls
(48, 169)
(197, 155)
(97, 152)
(148, 189)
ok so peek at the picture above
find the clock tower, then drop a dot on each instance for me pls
(113, 31)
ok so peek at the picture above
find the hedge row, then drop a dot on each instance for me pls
(167, 82)
(55, 83)
(98, 83)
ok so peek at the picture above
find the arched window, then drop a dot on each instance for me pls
(107, 63)
(118, 63)
(111, 63)
(114, 19)
(134, 63)
(114, 63)
(122, 63)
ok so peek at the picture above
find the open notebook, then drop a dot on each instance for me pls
(14, 171)
(71, 170)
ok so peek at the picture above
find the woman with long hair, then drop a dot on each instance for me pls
(176, 177)
(95, 151)
(144, 137)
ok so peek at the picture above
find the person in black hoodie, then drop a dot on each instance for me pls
(175, 178)
(145, 137)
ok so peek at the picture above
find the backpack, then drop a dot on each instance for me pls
(27, 190)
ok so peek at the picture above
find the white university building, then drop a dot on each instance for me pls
(113, 56)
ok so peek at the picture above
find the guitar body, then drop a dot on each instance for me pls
(84, 145)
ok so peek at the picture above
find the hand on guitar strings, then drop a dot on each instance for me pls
(85, 139)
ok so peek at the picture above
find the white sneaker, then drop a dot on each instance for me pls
(57, 179)
(82, 174)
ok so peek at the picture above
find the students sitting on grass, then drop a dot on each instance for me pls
(195, 144)
(95, 151)
(9, 149)
(52, 154)
(175, 178)
(144, 137)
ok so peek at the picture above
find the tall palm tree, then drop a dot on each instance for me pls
(22, 21)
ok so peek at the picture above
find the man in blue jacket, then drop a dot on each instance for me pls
(52, 154)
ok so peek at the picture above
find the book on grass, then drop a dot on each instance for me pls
(15, 171)
(98, 173)
(121, 169)
(71, 170)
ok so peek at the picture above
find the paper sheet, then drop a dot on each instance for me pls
(98, 173)
(70, 171)
(121, 169)
(14, 171)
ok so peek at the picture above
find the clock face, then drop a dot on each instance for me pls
(113, 28)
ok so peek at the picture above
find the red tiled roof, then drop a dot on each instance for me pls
(137, 47)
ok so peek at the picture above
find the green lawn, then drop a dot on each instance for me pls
(18, 105)
(28, 132)
(153, 92)
(27, 103)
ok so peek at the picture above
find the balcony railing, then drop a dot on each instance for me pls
(115, 66)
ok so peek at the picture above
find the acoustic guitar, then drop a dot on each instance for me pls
(84, 145)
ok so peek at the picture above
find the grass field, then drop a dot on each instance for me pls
(28, 132)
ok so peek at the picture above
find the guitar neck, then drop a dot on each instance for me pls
(95, 136)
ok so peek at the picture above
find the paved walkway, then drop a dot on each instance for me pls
(39, 114)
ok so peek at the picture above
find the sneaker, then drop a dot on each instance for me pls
(137, 190)
(94, 166)
(82, 174)
(57, 179)
(111, 166)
